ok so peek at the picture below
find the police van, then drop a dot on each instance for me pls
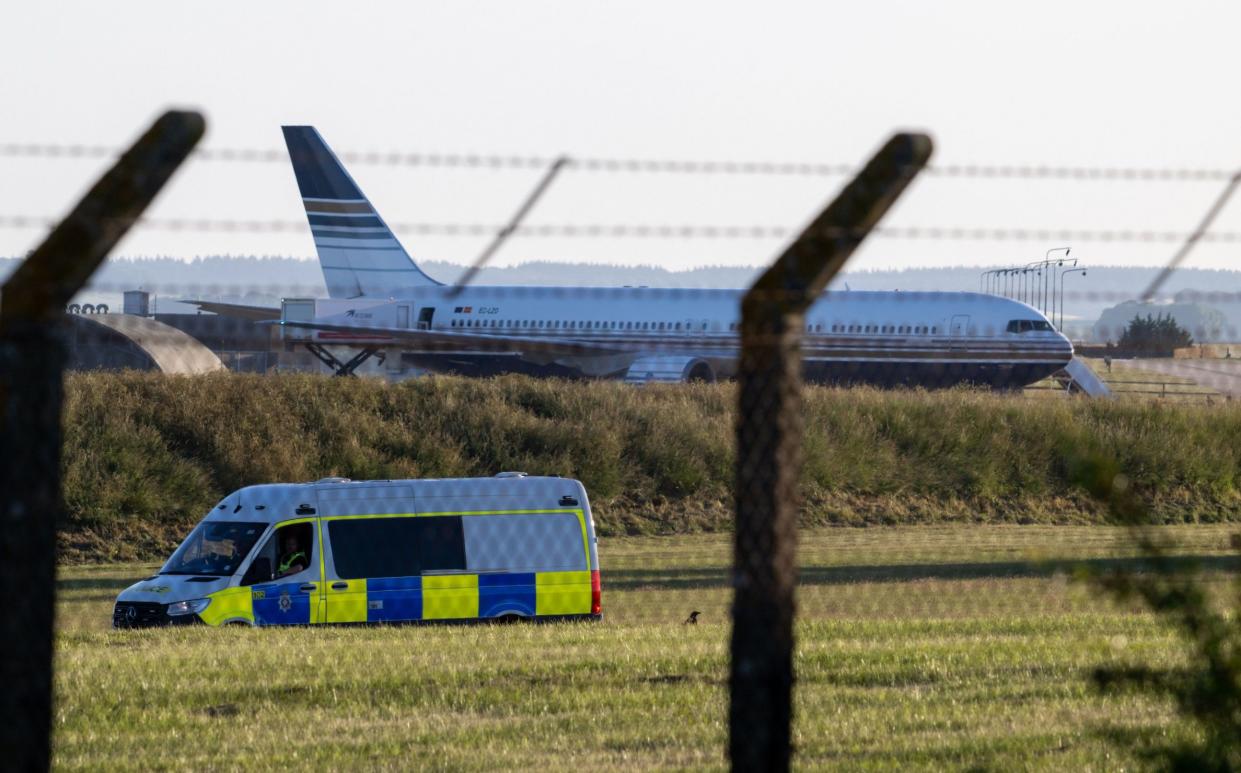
(391, 551)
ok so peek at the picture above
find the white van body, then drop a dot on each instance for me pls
(385, 551)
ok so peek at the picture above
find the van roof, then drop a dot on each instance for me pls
(273, 502)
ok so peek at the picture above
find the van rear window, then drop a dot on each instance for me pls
(396, 547)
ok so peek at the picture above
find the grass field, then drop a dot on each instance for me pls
(1131, 382)
(927, 647)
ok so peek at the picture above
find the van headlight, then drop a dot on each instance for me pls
(191, 607)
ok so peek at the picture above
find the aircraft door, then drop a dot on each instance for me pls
(959, 325)
(425, 315)
(402, 316)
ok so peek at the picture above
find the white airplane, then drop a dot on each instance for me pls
(381, 300)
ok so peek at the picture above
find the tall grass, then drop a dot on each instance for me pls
(146, 455)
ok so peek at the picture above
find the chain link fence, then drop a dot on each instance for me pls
(764, 527)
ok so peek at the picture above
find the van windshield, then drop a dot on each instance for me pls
(214, 548)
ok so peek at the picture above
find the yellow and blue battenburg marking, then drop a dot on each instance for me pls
(286, 603)
(432, 596)
(459, 596)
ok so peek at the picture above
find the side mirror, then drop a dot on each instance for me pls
(259, 571)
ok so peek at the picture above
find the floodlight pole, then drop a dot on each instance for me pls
(769, 451)
(32, 357)
(1064, 274)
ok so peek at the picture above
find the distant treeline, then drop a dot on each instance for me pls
(270, 276)
(146, 455)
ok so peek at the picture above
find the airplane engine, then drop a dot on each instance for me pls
(669, 368)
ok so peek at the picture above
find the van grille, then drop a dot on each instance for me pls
(138, 614)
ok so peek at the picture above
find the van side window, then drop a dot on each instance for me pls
(289, 551)
(396, 547)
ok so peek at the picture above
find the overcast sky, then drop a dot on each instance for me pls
(1073, 83)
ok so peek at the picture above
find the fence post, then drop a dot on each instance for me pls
(769, 440)
(32, 357)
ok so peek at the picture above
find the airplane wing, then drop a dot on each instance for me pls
(236, 310)
(443, 340)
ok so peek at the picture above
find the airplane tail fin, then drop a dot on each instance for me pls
(359, 254)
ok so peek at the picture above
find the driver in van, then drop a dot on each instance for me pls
(293, 558)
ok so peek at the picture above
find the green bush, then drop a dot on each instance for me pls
(146, 454)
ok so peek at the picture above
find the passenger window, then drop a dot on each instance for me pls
(289, 551)
(396, 547)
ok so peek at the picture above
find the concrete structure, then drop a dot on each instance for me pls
(123, 341)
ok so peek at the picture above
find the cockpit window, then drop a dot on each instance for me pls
(1027, 325)
(214, 548)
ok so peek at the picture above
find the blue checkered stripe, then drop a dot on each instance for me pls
(396, 599)
(500, 594)
(392, 599)
(282, 603)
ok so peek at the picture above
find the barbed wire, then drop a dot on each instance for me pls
(497, 161)
(670, 231)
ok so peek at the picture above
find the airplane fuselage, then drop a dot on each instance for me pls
(642, 334)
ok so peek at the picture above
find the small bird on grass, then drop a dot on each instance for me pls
(693, 618)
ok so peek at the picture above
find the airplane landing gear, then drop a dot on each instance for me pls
(344, 368)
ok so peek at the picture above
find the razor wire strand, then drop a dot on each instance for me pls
(671, 231)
